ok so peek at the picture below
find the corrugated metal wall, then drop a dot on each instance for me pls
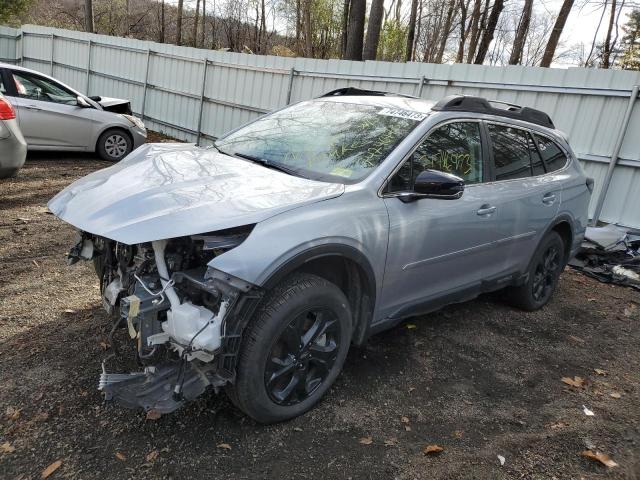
(168, 82)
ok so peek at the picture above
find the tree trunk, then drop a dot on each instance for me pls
(356, 29)
(162, 24)
(298, 29)
(195, 24)
(263, 28)
(411, 32)
(550, 49)
(308, 35)
(487, 36)
(204, 23)
(446, 30)
(179, 23)
(373, 29)
(88, 16)
(464, 30)
(607, 46)
(475, 29)
(345, 27)
(521, 34)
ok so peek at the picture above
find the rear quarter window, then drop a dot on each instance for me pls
(554, 158)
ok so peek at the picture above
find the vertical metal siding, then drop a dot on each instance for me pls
(587, 104)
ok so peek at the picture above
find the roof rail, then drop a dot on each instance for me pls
(353, 91)
(466, 103)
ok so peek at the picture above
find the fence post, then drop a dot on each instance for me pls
(292, 72)
(202, 91)
(423, 79)
(53, 41)
(88, 69)
(614, 155)
(146, 80)
(21, 36)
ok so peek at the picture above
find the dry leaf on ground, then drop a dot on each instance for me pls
(366, 440)
(13, 413)
(153, 414)
(577, 382)
(600, 371)
(600, 457)
(152, 455)
(47, 472)
(224, 446)
(501, 459)
(615, 395)
(120, 456)
(391, 442)
(410, 326)
(404, 419)
(432, 449)
(6, 447)
(587, 412)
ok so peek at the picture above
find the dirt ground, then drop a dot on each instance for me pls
(479, 379)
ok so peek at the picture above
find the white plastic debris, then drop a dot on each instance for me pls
(625, 272)
(501, 459)
(587, 412)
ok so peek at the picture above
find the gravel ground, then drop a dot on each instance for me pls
(479, 379)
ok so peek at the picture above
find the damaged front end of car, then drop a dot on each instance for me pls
(185, 317)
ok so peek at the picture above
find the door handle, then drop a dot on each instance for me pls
(548, 198)
(32, 107)
(486, 210)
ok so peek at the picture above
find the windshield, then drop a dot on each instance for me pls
(324, 140)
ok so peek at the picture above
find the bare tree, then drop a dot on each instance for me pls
(204, 23)
(489, 32)
(446, 30)
(356, 30)
(179, 23)
(411, 30)
(195, 24)
(475, 28)
(373, 29)
(345, 28)
(554, 38)
(162, 24)
(88, 16)
(521, 34)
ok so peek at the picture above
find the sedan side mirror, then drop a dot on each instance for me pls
(82, 103)
(435, 184)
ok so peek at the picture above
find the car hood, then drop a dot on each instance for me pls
(172, 190)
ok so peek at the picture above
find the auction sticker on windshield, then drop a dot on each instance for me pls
(401, 113)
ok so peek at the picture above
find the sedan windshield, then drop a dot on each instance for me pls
(324, 140)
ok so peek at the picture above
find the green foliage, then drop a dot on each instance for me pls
(630, 46)
(393, 41)
(10, 10)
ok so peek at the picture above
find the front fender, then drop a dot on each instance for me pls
(355, 222)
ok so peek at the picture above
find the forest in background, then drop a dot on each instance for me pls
(495, 32)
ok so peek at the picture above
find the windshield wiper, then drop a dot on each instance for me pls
(266, 163)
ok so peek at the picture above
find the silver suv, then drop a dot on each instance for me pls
(254, 265)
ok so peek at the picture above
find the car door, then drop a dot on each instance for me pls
(529, 198)
(49, 114)
(441, 250)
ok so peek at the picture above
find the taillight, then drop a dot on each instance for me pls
(6, 110)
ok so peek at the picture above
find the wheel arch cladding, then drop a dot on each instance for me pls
(344, 266)
(563, 227)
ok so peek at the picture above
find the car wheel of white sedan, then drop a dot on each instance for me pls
(114, 145)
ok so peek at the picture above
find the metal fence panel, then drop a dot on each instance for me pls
(165, 84)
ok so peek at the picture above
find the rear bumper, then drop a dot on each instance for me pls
(13, 151)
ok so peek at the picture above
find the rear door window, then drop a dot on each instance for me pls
(510, 152)
(554, 158)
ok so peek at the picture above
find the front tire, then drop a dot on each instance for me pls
(293, 349)
(114, 144)
(544, 271)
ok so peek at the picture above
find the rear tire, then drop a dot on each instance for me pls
(114, 144)
(9, 172)
(292, 350)
(544, 270)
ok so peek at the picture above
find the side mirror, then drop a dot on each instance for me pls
(435, 184)
(82, 103)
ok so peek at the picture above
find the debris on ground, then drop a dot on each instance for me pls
(432, 449)
(501, 459)
(611, 254)
(599, 457)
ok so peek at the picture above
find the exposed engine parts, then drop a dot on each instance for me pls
(173, 306)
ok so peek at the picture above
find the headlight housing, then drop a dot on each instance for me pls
(135, 121)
